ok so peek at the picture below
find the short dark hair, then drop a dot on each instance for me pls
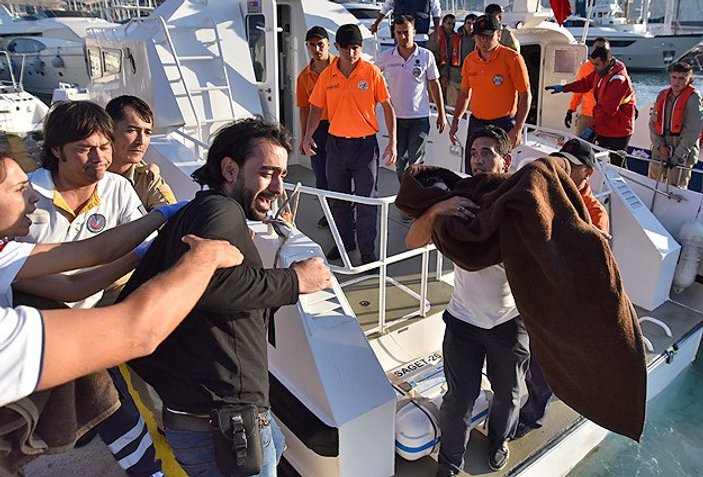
(401, 19)
(471, 16)
(504, 144)
(115, 108)
(448, 16)
(493, 9)
(71, 121)
(601, 39)
(602, 53)
(235, 141)
(681, 67)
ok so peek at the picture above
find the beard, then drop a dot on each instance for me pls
(247, 198)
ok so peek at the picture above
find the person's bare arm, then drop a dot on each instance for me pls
(523, 107)
(303, 113)
(50, 258)
(79, 342)
(309, 145)
(391, 151)
(420, 233)
(462, 103)
(68, 288)
(436, 94)
(374, 27)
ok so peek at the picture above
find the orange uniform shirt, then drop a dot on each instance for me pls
(589, 101)
(351, 102)
(599, 216)
(306, 83)
(495, 83)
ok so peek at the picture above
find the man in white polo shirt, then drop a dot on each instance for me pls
(411, 73)
(78, 199)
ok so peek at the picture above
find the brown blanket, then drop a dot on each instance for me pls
(51, 421)
(567, 286)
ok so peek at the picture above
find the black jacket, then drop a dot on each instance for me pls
(218, 354)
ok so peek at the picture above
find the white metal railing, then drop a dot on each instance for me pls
(196, 145)
(384, 260)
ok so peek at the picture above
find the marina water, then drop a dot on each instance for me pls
(672, 443)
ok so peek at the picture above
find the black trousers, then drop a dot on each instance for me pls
(615, 144)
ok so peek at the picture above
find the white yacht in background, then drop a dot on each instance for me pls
(44, 52)
(337, 354)
(639, 50)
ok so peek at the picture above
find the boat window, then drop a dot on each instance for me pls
(256, 37)
(25, 45)
(112, 61)
(95, 64)
(565, 61)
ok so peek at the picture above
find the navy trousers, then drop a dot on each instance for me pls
(352, 168)
(506, 123)
(412, 142)
(535, 408)
(319, 160)
(505, 348)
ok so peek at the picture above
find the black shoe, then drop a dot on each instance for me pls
(446, 473)
(334, 254)
(322, 223)
(498, 458)
(522, 430)
(368, 258)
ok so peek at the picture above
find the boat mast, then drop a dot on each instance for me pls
(589, 14)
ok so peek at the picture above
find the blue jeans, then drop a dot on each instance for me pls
(195, 451)
(412, 142)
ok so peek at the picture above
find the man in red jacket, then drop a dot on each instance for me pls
(614, 111)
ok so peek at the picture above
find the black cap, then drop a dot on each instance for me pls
(578, 153)
(486, 25)
(349, 34)
(317, 32)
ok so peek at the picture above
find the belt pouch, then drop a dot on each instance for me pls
(237, 437)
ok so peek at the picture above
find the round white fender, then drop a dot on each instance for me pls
(691, 239)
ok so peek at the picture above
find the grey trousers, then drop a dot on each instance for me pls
(465, 347)
(412, 142)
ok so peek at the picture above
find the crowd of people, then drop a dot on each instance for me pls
(89, 284)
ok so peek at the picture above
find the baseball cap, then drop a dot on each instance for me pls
(349, 34)
(486, 25)
(578, 153)
(317, 32)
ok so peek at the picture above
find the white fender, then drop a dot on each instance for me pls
(691, 239)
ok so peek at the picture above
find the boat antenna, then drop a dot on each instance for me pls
(584, 35)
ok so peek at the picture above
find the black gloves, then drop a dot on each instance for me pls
(568, 118)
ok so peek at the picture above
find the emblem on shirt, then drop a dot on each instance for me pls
(363, 85)
(416, 72)
(96, 223)
(498, 80)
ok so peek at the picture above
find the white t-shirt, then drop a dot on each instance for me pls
(21, 352)
(482, 298)
(119, 204)
(407, 81)
(12, 257)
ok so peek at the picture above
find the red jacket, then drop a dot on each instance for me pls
(614, 112)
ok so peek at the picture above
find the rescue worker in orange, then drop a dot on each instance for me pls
(494, 78)
(614, 111)
(675, 128)
(585, 100)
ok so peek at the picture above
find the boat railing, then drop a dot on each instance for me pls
(10, 69)
(384, 258)
(199, 147)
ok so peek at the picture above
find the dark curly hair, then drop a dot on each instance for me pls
(504, 145)
(72, 121)
(236, 141)
(115, 108)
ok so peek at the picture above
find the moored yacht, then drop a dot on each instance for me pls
(346, 362)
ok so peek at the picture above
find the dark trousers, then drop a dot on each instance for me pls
(412, 137)
(506, 123)
(319, 160)
(127, 436)
(353, 168)
(535, 408)
(465, 347)
(615, 144)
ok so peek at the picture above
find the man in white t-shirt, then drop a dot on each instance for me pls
(482, 323)
(78, 199)
(412, 76)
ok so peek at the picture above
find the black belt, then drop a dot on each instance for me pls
(349, 138)
(199, 422)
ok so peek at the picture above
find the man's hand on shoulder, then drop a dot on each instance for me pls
(220, 253)
(313, 275)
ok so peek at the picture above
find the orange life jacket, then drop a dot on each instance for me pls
(456, 48)
(677, 113)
